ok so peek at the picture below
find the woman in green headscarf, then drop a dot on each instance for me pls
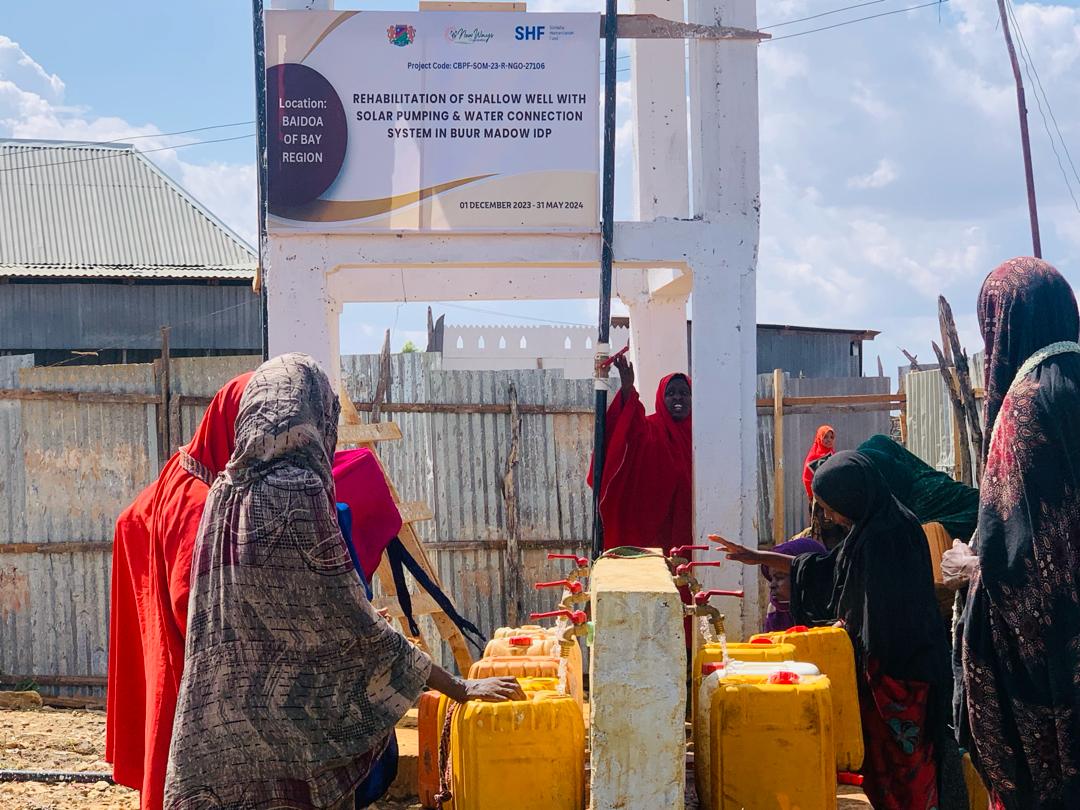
(932, 496)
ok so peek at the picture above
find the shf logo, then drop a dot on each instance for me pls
(527, 32)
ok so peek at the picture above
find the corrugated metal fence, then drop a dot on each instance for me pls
(79, 464)
(930, 417)
(69, 468)
(456, 463)
(852, 427)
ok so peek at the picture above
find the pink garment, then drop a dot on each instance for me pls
(360, 483)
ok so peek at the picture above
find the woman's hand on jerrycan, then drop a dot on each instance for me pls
(493, 690)
(736, 552)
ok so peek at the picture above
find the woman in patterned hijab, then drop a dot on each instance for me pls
(292, 682)
(1021, 625)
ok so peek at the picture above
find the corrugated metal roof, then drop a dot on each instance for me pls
(119, 271)
(104, 210)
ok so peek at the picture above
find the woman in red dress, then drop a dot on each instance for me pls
(647, 497)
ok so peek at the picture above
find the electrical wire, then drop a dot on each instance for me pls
(822, 14)
(123, 153)
(509, 315)
(181, 132)
(835, 25)
(826, 14)
(857, 20)
(81, 354)
(129, 138)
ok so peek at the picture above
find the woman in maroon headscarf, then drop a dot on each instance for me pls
(1021, 625)
(647, 494)
(153, 546)
(778, 615)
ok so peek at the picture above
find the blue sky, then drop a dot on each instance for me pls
(890, 155)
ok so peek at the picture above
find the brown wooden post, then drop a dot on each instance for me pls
(176, 424)
(901, 391)
(164, 437)
(382, 388)
(778, 457)
(515, 577)
(963, 381)
(1025, 138)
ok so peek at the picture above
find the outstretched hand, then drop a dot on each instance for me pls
(735, 552)
(626, 373)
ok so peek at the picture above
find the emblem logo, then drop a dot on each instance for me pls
(401, 35)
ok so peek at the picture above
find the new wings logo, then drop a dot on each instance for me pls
(401, 35)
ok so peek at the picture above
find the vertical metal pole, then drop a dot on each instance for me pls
(259, 38)
(1025, 139)
(607, 234)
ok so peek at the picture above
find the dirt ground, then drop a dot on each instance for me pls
(62, 740)
(57, 740)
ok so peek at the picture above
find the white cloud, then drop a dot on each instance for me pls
(870, 101)
(17, 67)
(32, 106)
(853, 238)
(783, 65)
(883, 175)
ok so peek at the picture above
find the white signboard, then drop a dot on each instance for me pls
(432, 121)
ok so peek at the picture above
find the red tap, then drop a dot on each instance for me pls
(685, 567)
(575, 616)
(582, 562)
(701, 597)
(845, 778)
(680, 551)
(573, 587)
(619, 353)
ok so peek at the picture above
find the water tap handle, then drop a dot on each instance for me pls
(684, 569)
(581, 562)
(680, 551)
(576, 617)
(702, 597)
(573, 587)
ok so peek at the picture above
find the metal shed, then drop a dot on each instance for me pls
(99, 248)
(804, 351)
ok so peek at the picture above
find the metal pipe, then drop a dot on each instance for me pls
(607, 235)
(55, 777)
(259, 37)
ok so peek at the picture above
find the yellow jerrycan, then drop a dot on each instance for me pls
(771, 743)
(829, 648)
(713, 652)
(530, 666)
(526, 754)
(533, 641)
(712, 675)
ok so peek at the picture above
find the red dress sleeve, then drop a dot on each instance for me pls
(126, 716)
(625, 417)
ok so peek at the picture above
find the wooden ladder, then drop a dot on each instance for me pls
(352, 432)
